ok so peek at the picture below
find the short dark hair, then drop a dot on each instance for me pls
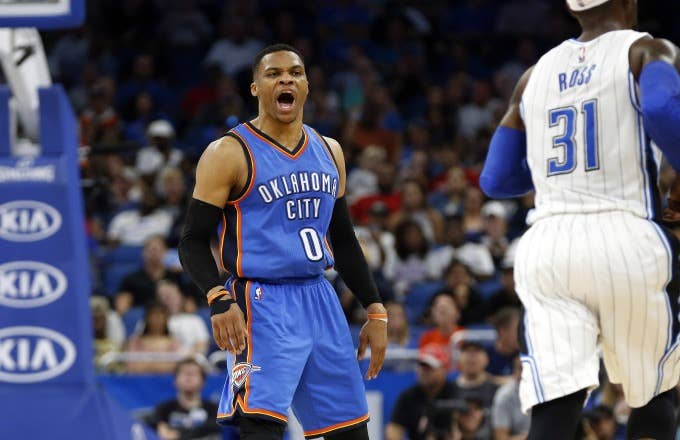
(189, 361)
(278, 47)
(505, 317)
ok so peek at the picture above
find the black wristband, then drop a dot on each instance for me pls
(220, 305)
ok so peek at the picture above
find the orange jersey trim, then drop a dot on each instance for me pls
(239, 241)
(336, 426)
(282, 150)
(253, 170)
(264, 412)
(224, 233)
(249, 325)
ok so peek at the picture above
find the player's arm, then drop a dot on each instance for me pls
(506, 173)
(655, 63)
(219, 171)
(352, 267)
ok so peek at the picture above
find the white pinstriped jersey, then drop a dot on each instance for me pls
(586, 145)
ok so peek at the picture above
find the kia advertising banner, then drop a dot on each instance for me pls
(46, 353)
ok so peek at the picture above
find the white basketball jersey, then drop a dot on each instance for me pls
(586, 145)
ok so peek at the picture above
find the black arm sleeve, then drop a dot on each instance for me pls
(194, 246)
(349, 259)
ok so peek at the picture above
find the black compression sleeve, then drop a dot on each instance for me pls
(194, 246)
(349, 259)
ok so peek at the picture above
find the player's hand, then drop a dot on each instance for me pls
(374, 335)
(229, 330)
(671, 216)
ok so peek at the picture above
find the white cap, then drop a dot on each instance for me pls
(160, 128)
(494, 208)
(582, 5)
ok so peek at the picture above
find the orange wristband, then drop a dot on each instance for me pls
(220, 293)
(378, 316)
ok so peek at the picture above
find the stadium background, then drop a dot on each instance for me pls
(412, 90)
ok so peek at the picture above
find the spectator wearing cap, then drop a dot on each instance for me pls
(495, 230)
(509, 422)
(476, 256)
(473, 380)
(444, 315)
(409, 414)
(472, 422)
(159, 153)
(506, 296)
(506, 346)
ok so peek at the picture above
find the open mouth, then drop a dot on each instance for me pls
(285, 101)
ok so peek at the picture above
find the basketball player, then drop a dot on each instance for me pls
(595, 267)
(275, 187)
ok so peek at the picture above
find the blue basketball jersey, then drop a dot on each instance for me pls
(276, 230)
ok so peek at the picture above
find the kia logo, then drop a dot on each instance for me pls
(25, 284)
(33, 354)
(28, 220)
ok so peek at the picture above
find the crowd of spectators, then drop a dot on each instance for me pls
(411, 89)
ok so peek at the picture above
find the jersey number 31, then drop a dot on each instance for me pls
(567, 119)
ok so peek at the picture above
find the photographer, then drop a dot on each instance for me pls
(458, 419)
(410, 415)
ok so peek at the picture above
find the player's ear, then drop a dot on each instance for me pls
(253, 88)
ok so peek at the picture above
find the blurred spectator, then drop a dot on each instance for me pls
(509, 422)
(506, 296)
(495, 230)
(474, 255)
(159, 153)
(132, 227)
(143, 80)
(139, 287)
(397, 326)
(414, 207)
(599, 423)
(477, 114)
(235, 50)
(99, 122)
(473, 380)
(444, 315)
(473, 421)
(406, 264)
(473, 222)
(448, 198)
(187, 416)
(460, 283)
(368, 131)
(506, 346)
(188, 328)
(386, 172)
(185, 27)
(172, 190)
(363, 180)
(414, 403)
(109, 332)
(376, 241)
(154, 339)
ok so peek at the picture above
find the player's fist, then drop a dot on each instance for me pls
(229, 330)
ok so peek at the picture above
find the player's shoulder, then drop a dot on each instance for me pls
(226, 146)
(335, 147)
(647, 49)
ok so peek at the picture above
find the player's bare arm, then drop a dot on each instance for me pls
(221, 170)
(374, 332)
(506, 173)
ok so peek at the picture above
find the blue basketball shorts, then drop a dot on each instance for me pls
(299, 354)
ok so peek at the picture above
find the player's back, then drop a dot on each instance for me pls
(586, 145)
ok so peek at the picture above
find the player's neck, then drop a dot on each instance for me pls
(594, 29)
(287, 135)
